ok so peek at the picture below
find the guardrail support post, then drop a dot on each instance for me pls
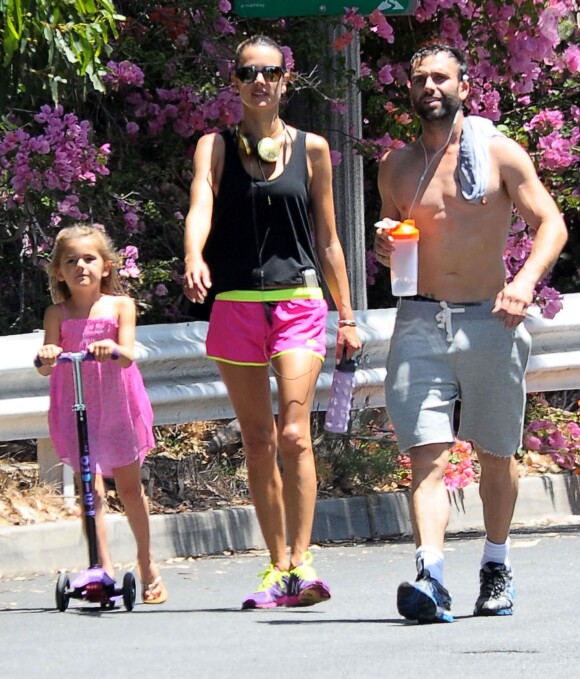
(52, 470)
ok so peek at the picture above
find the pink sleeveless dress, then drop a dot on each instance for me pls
(119, 413)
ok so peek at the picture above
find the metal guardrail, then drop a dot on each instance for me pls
(184, 386)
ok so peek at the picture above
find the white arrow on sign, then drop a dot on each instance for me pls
(391, 4)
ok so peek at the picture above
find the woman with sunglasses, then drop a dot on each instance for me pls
(259, 234)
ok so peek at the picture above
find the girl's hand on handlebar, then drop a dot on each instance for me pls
(47, 355)
(104, 350)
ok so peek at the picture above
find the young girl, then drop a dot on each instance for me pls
(91, 313)
(259, 236)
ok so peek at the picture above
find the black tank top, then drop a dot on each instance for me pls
(261, 235)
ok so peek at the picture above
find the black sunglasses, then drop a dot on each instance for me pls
(247, 74)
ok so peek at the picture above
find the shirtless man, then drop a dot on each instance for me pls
(462, 337)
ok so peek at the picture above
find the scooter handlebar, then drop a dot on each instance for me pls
(69, 356)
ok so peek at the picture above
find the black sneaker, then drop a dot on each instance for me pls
(496, 590)
(425, 600)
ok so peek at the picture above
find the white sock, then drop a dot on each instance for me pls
(496, 553)
(431, 560)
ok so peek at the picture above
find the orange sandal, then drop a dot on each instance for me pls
(154, 592)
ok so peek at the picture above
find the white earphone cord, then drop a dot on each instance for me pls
(430, 162)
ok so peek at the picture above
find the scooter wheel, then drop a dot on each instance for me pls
(62, 595)
(129, 591)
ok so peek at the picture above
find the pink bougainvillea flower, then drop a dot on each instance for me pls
(571, 57)
(532, 442)
(386, 74)
(458, 473)
(123, 74)
(335, 158)
(353, 19)
(381, 26)
(343, 41)
(288, 57)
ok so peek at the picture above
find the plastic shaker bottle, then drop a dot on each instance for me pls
(338, 413)
(404, 260)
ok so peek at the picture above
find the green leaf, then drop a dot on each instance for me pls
(12, 28)
(54, 90)
(64, 48)
(95, 79)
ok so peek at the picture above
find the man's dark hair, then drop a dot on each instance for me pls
(434, 48)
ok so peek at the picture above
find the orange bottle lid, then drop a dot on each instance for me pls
(405, 230)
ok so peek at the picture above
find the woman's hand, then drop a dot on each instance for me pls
(347, 339)
(196, 280)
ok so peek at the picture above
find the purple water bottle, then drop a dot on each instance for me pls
(338, 413)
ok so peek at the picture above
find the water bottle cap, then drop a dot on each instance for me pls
(405, 230)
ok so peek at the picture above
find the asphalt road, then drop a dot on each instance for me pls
(200, 632)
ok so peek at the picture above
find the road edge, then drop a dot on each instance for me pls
(544, 501)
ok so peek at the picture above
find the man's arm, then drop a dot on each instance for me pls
(539, 210)
(386, 183)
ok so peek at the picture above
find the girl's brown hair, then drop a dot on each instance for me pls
(110, 285)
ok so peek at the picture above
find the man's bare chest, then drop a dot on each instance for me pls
(438, 190)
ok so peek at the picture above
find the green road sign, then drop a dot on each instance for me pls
(303, 8)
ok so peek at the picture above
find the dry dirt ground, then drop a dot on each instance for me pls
(201, 466)
(191, 469)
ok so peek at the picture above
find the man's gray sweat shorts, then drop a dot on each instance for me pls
(441, 352)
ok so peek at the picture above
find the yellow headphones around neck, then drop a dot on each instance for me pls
(267, 149)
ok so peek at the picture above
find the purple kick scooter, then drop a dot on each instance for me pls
(92, 584)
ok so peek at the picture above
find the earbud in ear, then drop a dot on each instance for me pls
(465, 77)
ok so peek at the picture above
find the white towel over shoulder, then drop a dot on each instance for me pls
(474, 163)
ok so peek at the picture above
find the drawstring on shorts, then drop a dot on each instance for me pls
(444, 318)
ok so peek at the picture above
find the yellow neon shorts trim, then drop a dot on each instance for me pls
(282, 295)
(289, 351)
(242, 363)
(263, 365)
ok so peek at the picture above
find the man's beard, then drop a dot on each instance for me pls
(450, 104)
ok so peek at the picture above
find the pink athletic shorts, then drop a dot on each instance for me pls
(239, 332)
